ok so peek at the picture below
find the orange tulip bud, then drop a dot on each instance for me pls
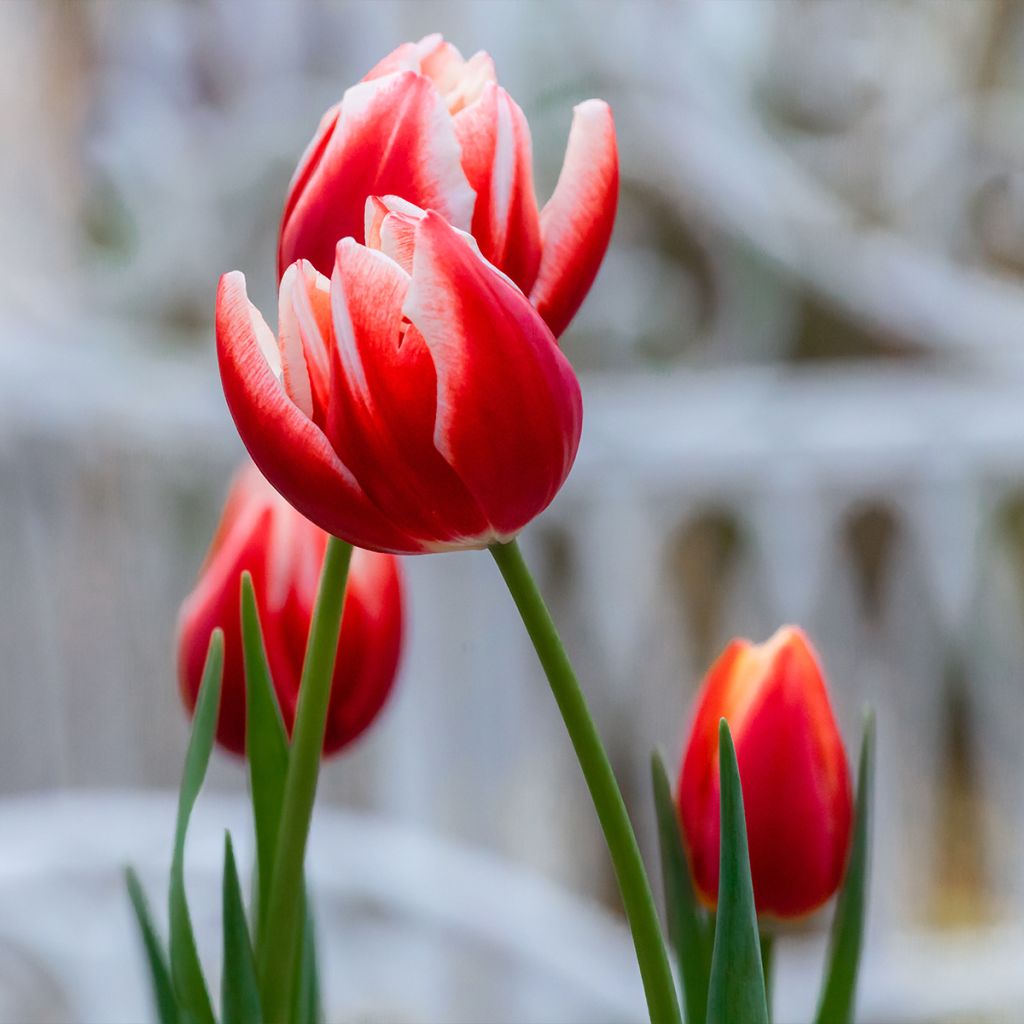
(793, 768)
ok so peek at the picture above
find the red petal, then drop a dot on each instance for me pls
(368, 649)
(497, 156)
(509, 408)
(384, 403)
(304, 328)
(796, 786)
(576, 223)
(261, 533)
(238, 544)
(308, 163)
(698, 791)
(391, 228)
(292, 452)
(459, 81)
(405, 57)
(393, 136)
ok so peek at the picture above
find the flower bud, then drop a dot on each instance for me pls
(793, 769)
(262, 534)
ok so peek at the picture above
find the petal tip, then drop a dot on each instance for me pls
(593, 108)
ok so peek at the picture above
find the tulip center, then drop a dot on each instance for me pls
(459, 81)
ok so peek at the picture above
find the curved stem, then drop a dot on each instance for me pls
(286, 904)
(634, 886)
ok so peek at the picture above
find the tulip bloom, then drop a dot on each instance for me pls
(438, 130)
(415, 402)
(262, 533)
(793, 769)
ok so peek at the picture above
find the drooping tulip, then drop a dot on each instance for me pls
(793, 770)
(439, 132)
(415, 402)
(260, 532)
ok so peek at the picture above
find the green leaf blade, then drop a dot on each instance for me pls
(159, 970)
(308, 1009)
(266, 748)
(838, 995)
(736, 990)
(186, 970)
(687, 926)
(240, 994)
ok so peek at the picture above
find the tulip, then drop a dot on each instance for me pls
(438, 130)
(793, 768)
(415, 402)
(262, 533)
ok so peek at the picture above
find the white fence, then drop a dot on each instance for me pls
(874, 507)
(790, 172)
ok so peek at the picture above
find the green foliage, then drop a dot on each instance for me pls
(186, 970)
(839, 991)
(687, 922)
(267, 751)
(307, 989)
(240, 994)
(737, 988)
(159, 971)
(266, 748)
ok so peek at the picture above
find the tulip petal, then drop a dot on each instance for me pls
(700, 765)
(509, 411)
(406, 57)
(391, 225)
(440, 61)
(214, 603)
(384, 404)
(309, 161)
(418, 157)
(459, 81)
(576, 223)
(304, 327)
(497, 156)
(391, 228)
(798, 845)
(291, 451)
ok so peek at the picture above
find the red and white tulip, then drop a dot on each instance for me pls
(414, 402)
(439, 132)
(262, 534)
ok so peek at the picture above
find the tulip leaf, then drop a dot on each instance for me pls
(736, 991)
(687, 924)
(307, 989)
(240, 993)
(186, 970)
(159, 971)
(266, 747)
(267, 751)
(839, 991)
(768, 967)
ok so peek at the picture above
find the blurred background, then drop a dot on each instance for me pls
(803, 384)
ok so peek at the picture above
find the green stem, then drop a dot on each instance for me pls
(604, 790)
(768, 965)
(286, 905)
